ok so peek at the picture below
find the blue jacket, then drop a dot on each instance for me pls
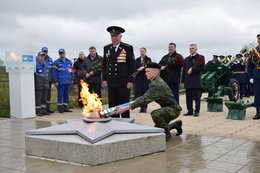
(49, 63)
(238, 70)
(62, 71)
(41, 75)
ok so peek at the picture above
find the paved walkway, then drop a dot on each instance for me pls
(210, 143)
(187, 153)
(208, 123)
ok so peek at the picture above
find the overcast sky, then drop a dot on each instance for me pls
(218, 27)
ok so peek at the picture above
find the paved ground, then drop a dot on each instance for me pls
(187, 153)
(208, 123)
(203, 147)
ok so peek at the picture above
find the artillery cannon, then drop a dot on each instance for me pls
(217, 80)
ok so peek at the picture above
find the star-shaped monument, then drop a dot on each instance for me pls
(96, 131)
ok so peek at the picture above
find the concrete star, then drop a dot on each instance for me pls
(93, 132)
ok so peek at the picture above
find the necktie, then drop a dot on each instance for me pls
(113, 50)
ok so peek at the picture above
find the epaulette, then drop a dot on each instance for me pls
(125, 44)
(108, 45)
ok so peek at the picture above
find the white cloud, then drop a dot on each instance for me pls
(218, 27)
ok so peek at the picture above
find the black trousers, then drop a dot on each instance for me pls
(193, 94)
(242, 90)
(80, 104)
(95, 88)
(48, 101)
(40, 98)
(117, 96)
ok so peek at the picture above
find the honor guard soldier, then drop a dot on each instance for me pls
(160, 93)
(214, 61)
(191, 77)
(171, 69)
(41, 85)
(118, 69)
(63, 77)
(141, 82)
(49, 64)
(78, 71)
(248, 85)
(238, 70)
(254, 75)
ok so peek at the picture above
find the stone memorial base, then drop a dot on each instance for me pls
(73, 148)
(94, 143)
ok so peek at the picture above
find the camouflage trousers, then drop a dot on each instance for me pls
(163, 116)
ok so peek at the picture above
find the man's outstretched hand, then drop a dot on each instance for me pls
(121, 110)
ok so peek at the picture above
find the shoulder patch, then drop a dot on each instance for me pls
(108, 45)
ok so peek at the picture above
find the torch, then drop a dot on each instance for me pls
(112, 111)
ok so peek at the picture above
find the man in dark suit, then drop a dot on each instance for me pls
(141, 82)
(118, 68)
(171, 69)
(191, 77)
(92, 68)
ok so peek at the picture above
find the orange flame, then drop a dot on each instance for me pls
(92, 103)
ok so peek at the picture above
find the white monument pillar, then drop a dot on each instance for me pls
(20, 67)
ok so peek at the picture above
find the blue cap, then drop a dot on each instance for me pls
(41, 53)
(61, 50)
(44, 49)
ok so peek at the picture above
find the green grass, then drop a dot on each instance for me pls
(4, 94)
(73, 103)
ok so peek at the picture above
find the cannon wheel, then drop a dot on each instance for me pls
(235, 90)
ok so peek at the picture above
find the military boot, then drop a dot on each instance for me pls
(257, 116)
(60, 109)
(178, 126)
(39, 112)
(44, 112)
(66, 109)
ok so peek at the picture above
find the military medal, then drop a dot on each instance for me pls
(108, 53)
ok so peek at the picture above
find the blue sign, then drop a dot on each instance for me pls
(27, 58)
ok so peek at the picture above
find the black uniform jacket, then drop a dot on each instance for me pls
(118, 65)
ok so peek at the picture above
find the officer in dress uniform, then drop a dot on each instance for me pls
(191, 77)
(248, 85)
(171, 69)
(238, 70)
(118, 69)
(63, 77)
(254, 75)
(49, 65)
(141, 82)
(78, 71)
(41, 85)
(159, 92)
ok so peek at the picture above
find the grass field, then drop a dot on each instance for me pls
(4, 96)
(4, 93)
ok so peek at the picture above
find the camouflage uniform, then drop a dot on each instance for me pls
(160, 93)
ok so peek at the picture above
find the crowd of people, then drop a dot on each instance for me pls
(119, 71)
